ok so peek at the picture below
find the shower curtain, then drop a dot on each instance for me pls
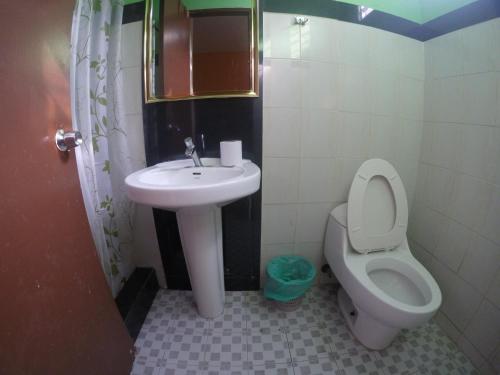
(103, 160)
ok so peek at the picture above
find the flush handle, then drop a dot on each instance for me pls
(66, 141)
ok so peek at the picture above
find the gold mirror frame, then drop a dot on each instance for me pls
(148, 61)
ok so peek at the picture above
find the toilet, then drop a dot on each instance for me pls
(383, 287)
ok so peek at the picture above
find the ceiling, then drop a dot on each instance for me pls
(419, 11)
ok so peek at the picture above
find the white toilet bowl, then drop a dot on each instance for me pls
(384, 288)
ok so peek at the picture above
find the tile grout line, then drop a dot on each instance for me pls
(292, 363)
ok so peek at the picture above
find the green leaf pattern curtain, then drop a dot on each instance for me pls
(104, 158)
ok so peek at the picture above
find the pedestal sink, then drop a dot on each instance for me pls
(196, 194)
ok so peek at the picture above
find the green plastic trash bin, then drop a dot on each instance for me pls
(288, 278)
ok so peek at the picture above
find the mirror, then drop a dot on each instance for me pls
(197, 49)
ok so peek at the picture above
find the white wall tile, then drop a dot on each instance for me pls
(487, 369)
(133, 126)
(426, 143)
(385, 134)
(353, 136)
(383, 50)
(498, 95)
(318, 133)
(131, 46)
(447, 326)
(281, 131)
(453, 244)
(281, 38)
(352, 90)
(479, 43)
(132, 93)
(407, 169)
(479, 151)
(438, 188)
(491, 225)
(282, 83)
(496, 47)
(280, 180)
(449, 98)
(352, 44)
(460, 300)
(445, 147)
(383, 86)
(319, 180)
(145, 240)
(422, 255)
(461, 106)
(481, 263)
(471, 352)
(311, 221)
(480, 94)
(411, 98)
(470, 199)
(431, 103)
(319, 82)
(411, 57)
(278, 223)
(445, 55)
(495, 161)
(483, 330)
(318, 39)
(144, 228)
(495, 360)
(425, 226)
(410, 137)
(349, 166)
(421, 185)
(494, 291)
(313, 251)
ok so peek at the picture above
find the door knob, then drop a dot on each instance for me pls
(66, 141)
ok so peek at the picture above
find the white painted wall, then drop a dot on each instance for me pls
(335, 94)
(147, 253)
(455, 224)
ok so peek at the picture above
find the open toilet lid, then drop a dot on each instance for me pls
(377, 209)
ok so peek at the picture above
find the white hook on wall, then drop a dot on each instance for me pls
(301, 20)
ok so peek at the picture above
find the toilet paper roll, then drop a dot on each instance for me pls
(230, 153)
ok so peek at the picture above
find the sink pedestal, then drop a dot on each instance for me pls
(200, 229)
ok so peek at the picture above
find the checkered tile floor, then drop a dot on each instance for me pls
(252, 337)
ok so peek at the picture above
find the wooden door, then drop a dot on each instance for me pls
(57, 315)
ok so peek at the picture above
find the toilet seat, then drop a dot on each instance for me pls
(377, 209)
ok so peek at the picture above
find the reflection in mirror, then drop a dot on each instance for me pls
(198, 49)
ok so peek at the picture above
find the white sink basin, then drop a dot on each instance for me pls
(196, 195)
(178, 184)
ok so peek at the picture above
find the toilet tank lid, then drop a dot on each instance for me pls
(339, 213)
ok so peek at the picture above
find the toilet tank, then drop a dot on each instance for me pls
(336, 239)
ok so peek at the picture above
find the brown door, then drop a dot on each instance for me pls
(57, 315)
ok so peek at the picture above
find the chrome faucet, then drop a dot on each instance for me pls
(191, 152)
